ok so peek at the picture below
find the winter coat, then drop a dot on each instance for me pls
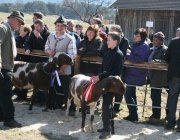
(172, 57)
(34, 43)
(139, 53)
(112, 63)
(20, 43)
(158, 77)
(90, 48)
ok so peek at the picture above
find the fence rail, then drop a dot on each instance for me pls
(95, 59)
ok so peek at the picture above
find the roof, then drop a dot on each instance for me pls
(172, 5)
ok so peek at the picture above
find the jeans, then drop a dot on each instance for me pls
(156, 101)
(106, 118)
(6, 104)
(118, 98)
(174, 90)
(59, 100)
(130, 98)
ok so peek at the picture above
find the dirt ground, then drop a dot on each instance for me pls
(54, 125)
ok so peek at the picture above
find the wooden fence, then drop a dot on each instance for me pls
(127, 63)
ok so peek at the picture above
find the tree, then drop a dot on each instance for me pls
(18, 5)
(4, 7)
(86, 9)
(53, 8)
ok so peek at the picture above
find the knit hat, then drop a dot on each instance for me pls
(17, 14)
(62, 20)
(159, 35)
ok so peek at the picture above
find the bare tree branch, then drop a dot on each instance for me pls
(86, 9)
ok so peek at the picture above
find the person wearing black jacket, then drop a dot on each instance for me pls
(37, 41)
(112, 65)
(123, 45)
(89, 46)
(172, 57)
(21, 40)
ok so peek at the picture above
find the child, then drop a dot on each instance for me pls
(112, 65)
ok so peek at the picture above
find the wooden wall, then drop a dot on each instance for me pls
(165, 21)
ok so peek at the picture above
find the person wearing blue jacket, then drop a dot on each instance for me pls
(136, 76)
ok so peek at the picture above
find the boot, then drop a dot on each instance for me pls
(105, 135)
(12, 124)
(106, 117)
(100, 130)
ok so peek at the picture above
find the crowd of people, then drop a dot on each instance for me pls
(98, 40)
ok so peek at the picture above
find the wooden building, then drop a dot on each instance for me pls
(132, 14)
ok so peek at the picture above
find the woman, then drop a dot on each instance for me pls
(158, 78)
(89, 46)
(136, 76)
(60, 41)
(112, 65)
(24, 33)
(91, 43)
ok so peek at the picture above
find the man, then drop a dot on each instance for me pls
(79, 30)
(36, 16)
(151, 35)
(70, 31)
(103, 27)
(98, 21)
(178, 32)
(172, 57)
(61, 41)
(7, 55)
(37, 41)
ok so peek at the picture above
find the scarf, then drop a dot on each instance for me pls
(87, 95)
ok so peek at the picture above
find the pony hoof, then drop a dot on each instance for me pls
(45, 110)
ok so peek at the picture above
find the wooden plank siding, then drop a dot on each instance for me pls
(165, 21)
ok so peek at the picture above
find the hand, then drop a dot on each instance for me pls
(96, 79)
(50, 52)
(61, 70)
(151, 62)
(27, 52)
(36, 33)
(81, 49)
